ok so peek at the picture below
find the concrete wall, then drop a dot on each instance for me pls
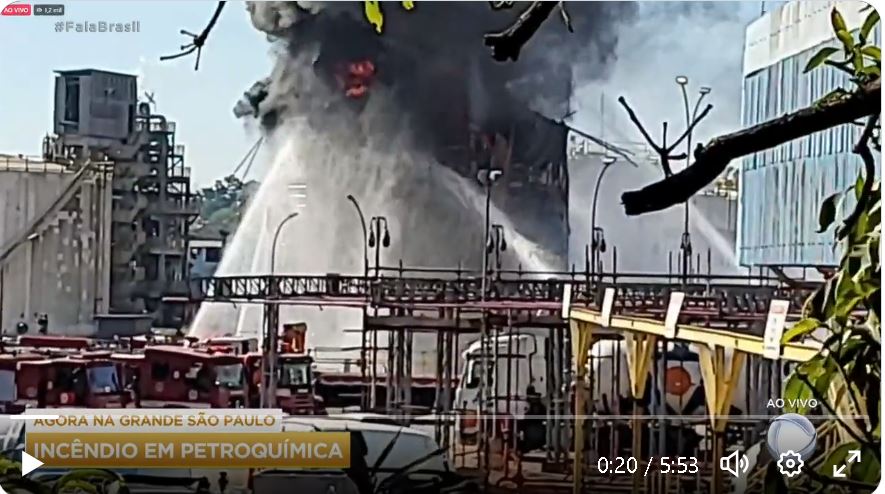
(57, 270)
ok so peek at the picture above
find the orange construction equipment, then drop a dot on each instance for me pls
(296, 392)
(294, 337)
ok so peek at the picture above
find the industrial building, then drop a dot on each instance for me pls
(205, 256)
(94, 234)
(781, 189)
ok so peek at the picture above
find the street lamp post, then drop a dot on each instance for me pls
(359, 211)
(378, 240)
(690, 117)
(597, 235)
(487, 177)
(276, 238)
(271, 325)
(368, 402)
(496, 244)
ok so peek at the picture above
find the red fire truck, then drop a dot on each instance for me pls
(230, 344)
(8, 371)
(47, 343)
(70, 382)
(179, 377)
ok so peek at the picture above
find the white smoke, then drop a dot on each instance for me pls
(668, 39)
(435, 217)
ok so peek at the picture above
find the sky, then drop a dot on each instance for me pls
(658, 47)
(201, 102)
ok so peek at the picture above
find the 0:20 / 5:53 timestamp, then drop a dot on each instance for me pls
(663, 465)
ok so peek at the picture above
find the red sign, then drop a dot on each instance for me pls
(20, 9)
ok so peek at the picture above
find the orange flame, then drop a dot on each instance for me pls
(356, 78)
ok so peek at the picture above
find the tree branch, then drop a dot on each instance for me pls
(197, 40)
(862, 149)
(623, 153)
(664, 151)
(855, 400)
(691, 127)
(712, 159)
(637, 123)
(507, 44)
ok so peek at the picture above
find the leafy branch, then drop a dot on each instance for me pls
(847, 371)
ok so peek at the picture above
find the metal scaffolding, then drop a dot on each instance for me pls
(722, 311)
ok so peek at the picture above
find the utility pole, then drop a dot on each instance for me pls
(271, 345)
(378, 240)
(690, 117)
(597, 235)
(270, 342)
(368, 399)
(487, 177)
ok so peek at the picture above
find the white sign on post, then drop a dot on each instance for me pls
(673, 310)
(774, 328)
(566, 300)
(608, 303)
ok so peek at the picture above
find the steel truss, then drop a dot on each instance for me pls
(450, 303)
(708, 298)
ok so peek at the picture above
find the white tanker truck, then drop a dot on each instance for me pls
(521, 389)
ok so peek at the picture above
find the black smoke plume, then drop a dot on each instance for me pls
(427, 54)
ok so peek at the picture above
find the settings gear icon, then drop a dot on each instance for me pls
(790, 463)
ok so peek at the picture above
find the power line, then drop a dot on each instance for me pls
(250, 157)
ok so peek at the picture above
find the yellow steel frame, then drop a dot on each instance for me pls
(720, 376)
(750, 344)
(581, 342)
(719, 372)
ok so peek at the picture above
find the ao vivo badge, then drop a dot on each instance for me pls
(16, 9)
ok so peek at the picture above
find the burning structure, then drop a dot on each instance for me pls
(403, 122)
(460, 108)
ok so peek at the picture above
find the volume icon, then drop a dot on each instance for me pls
(735, 463)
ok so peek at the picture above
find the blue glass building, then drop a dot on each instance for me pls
(781, 189)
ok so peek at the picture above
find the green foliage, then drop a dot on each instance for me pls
(14, 483)
(801, 329)
(862, 61)
(868, 25)
(223, 204)
(74, 482)
(845, 377)
(90, 482)
(866, 470)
